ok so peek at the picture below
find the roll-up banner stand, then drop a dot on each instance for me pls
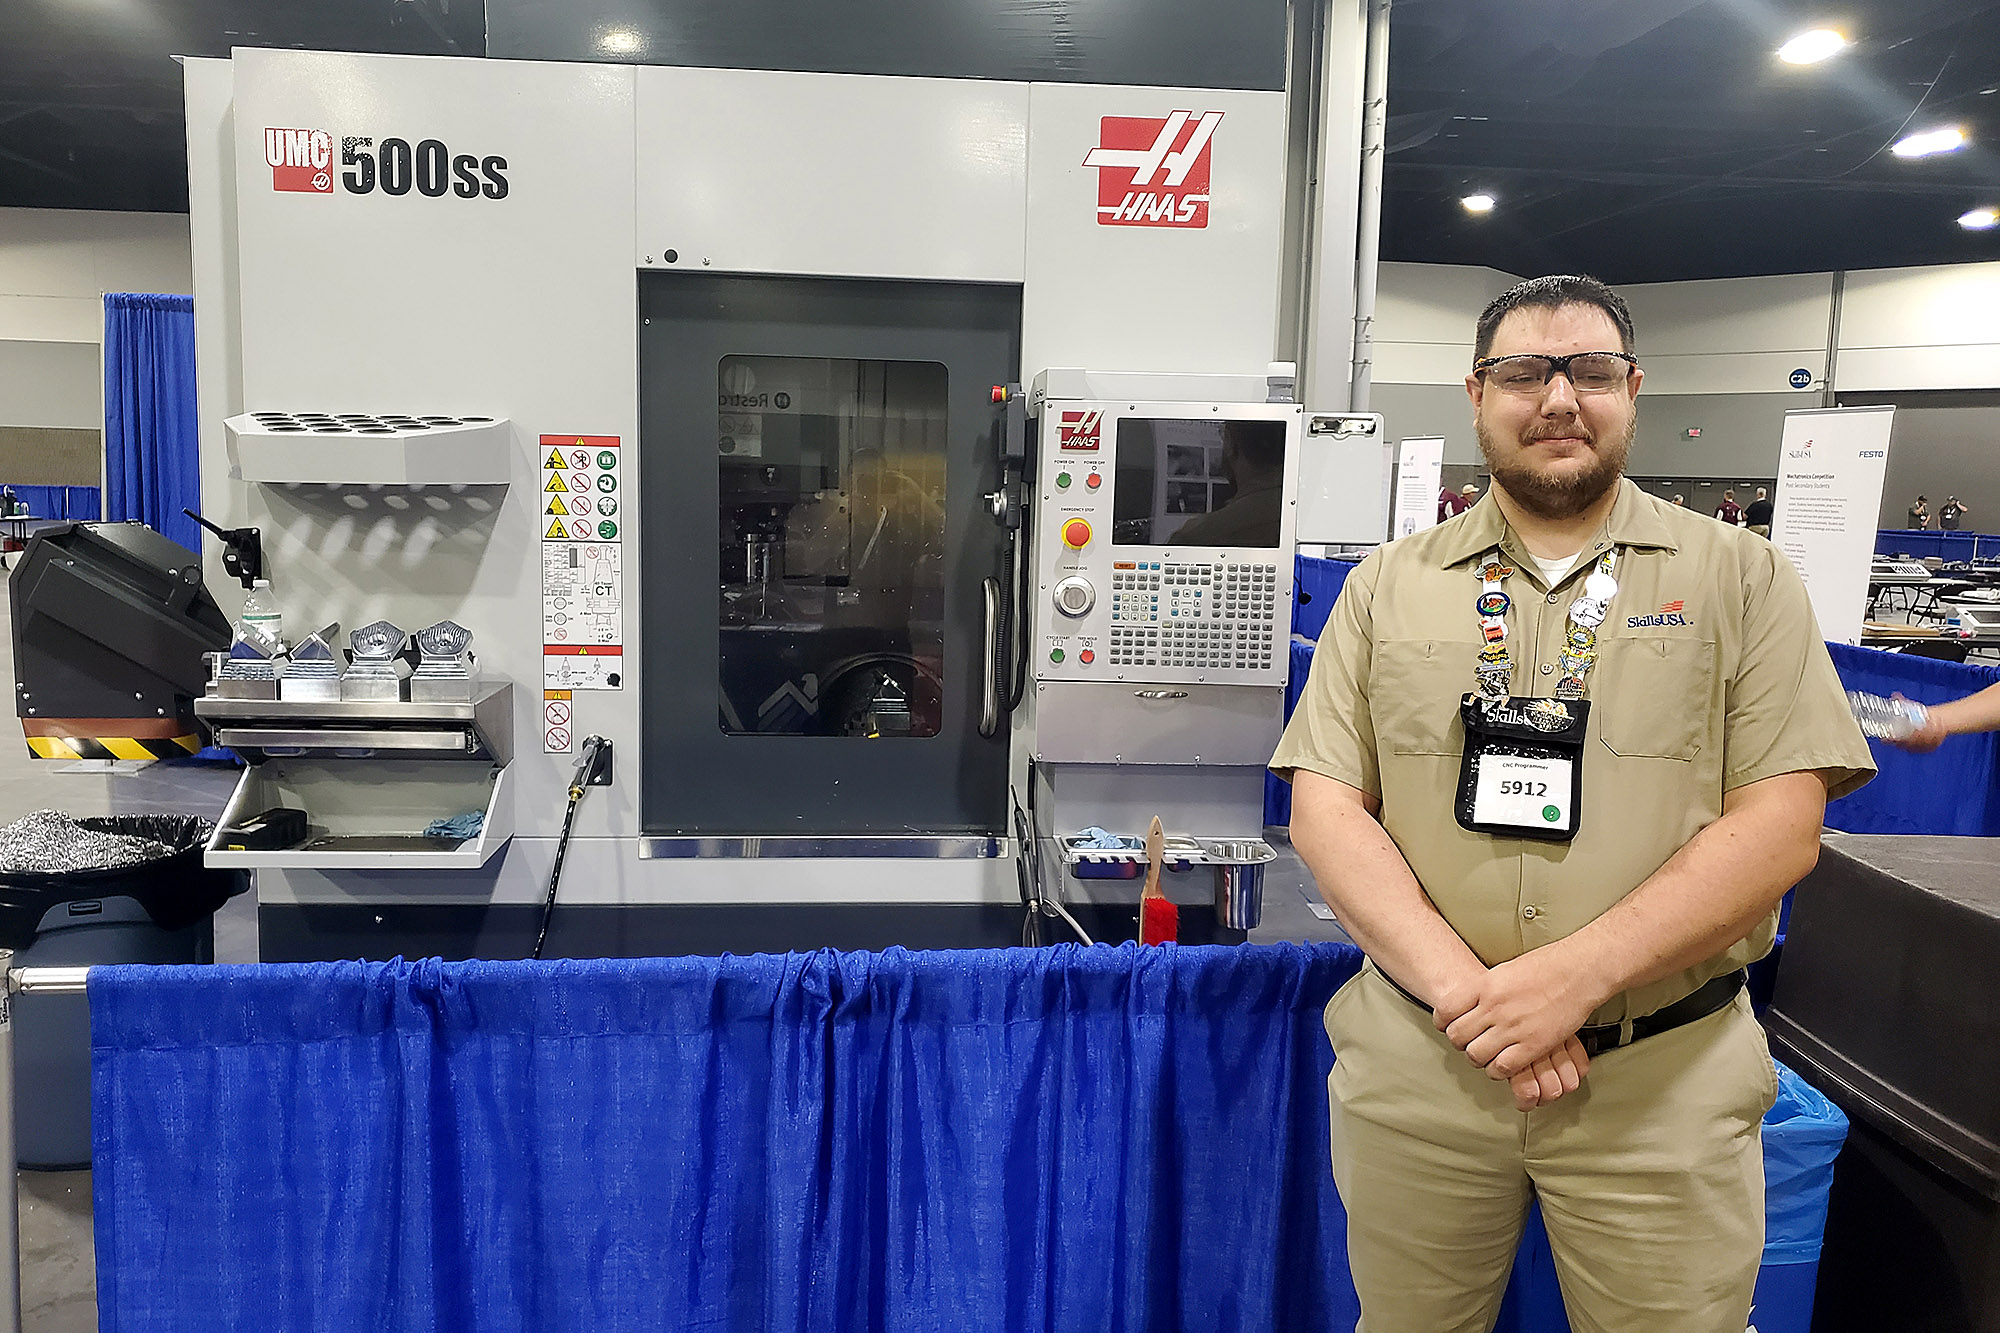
(1419, 468)
(1831, 467)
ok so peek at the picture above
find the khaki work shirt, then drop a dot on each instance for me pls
(1711, 675)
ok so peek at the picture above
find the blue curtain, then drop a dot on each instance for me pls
(1951, 792)
(151, 461)
(1096, 1140)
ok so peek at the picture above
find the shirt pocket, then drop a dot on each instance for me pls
(1413, 694)
(1652, 696)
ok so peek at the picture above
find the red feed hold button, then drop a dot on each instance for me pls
(1086, 657)
(1076, 534)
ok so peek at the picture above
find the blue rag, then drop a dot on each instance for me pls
(1105, 840)
(466, 825)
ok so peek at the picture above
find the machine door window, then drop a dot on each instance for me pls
(831, 475)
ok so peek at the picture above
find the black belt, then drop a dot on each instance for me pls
(1705, 999)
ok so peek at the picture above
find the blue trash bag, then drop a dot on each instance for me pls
(1803, 1133)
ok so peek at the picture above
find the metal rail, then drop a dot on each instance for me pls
(30, 981)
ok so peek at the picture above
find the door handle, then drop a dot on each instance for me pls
(989, 687)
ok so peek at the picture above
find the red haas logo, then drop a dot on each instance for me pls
(1079, 430)
(301, 161)
(1153, 172)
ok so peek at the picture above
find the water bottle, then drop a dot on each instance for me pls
(260, 611)
(1886, 719)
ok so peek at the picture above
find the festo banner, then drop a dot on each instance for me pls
(1831, 466)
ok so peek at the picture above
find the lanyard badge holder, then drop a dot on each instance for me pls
(1520, 775)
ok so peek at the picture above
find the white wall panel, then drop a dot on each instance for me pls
(523, 307)
(56, 319)
(1724, 316)
(1424, 318)
(764, 172)
(1921, 328)
(1734, 372)
(76, 253)
(51, 384)
(1147, 298)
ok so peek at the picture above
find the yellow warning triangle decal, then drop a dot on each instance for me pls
(555, 532)
(555, 459)
(555, 483)
(556, 506)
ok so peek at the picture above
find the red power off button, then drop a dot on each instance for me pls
(1076, 534)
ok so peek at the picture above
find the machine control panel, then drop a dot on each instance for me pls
(1163, 541)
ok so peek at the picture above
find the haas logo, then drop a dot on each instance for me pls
(1079, 431)
(1153, 172)
(301, 161)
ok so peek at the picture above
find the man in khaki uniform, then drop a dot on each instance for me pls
(1561, 1019)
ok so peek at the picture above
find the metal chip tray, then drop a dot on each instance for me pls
(363, 728)
(1177, 853)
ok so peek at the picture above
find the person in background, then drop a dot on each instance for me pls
(1451, 503)
(1920, 513)
(1757, 517)
(1950, 512)
(1729, 511)
(1681, 500)
(1560, 1014)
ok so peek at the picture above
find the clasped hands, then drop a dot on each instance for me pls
(1518, 1022)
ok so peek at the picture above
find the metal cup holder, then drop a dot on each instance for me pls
(1239, 880)
(1238, 864)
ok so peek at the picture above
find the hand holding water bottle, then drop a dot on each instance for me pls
(1904, 723)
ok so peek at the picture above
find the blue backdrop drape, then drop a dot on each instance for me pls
(1096, 1140)
(1951, 792)
(151, 458)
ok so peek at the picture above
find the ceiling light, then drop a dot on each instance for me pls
(619, 42)
(1809, 48)
(1979, 219)
(1945, 140)
(1478, 203)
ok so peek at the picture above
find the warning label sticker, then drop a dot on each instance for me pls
(557, 737)
(583, 592)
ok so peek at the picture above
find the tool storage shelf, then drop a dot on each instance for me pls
(369, 449)
(370, 777)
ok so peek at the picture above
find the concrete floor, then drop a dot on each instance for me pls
(58, 1274)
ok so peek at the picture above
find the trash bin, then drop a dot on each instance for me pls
(160, 910)
(1803, 1133)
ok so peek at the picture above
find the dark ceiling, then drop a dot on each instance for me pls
(1641, 140)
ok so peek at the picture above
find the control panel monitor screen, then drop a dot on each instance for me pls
(1191, 482)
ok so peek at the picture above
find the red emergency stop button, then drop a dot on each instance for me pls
(1093, 481)
(1076, 534)
(1086, 657)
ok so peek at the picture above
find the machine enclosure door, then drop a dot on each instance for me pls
(815, 453)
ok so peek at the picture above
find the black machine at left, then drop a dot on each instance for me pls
(111, 624)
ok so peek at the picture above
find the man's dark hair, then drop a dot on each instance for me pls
(1553, 293)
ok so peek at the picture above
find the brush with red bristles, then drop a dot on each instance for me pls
(1159, 919)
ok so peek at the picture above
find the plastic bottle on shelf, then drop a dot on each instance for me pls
(1886, 719)
(260, 611)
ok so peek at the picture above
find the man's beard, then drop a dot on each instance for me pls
(1564, 495)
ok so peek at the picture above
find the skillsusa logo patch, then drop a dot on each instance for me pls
(1153, 172)
(1670, 613)
(1079, 432)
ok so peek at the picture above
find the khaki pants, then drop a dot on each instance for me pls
(1650, 1176)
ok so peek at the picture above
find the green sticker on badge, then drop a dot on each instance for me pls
(607, 460)
(609, 530)
(1551, 813)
